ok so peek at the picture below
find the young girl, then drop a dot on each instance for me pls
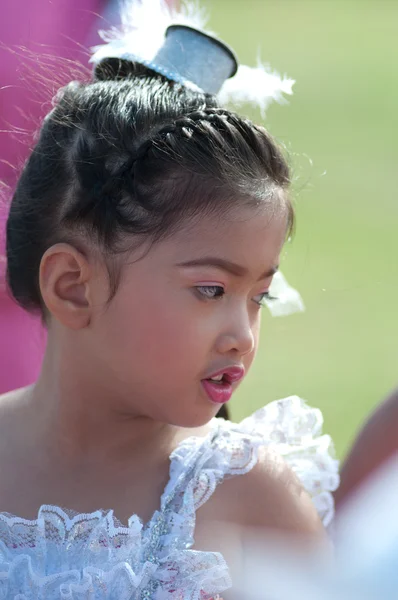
(146, 228)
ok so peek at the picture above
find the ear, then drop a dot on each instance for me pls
(65, 275)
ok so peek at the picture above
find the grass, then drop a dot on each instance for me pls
(340, 132)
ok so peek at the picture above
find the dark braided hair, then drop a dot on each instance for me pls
(133, 155)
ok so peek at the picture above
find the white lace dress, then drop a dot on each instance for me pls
(92, 557)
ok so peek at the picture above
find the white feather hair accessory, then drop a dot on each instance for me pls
(142, 34)
(256, 85)
(284, 300)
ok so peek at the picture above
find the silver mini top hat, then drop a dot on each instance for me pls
(189, 55)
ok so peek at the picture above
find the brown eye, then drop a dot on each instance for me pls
(210, 292)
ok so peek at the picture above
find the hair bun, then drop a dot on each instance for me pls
(117, 69)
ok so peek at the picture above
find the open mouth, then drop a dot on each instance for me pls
(220, 379)
(219, 387)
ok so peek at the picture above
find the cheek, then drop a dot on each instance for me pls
(158, 328)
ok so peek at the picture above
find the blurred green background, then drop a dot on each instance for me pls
(340, 131)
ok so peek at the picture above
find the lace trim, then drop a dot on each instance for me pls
(289, 427)
(89, 556)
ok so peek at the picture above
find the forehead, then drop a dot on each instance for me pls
(244, 236)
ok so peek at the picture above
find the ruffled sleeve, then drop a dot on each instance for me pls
(294, 430)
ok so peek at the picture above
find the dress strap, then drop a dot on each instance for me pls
(289, 426)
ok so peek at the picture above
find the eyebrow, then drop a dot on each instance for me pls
(225, 265)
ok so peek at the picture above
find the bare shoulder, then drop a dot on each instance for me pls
(13, 400)
(269, 496)
(375, 443)
(13, 409)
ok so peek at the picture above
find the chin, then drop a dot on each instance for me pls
(195, 418)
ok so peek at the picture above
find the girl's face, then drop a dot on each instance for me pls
(188, 310)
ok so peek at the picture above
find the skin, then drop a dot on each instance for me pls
(121, 381)
(375, 444)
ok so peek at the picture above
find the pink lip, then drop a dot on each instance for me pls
(220, 393)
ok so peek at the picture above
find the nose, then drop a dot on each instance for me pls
(239, 335)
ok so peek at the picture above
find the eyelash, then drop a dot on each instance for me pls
(220, 293)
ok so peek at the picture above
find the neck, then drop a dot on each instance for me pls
(79, 417)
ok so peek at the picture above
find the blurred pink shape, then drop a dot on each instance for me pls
(58, 28)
